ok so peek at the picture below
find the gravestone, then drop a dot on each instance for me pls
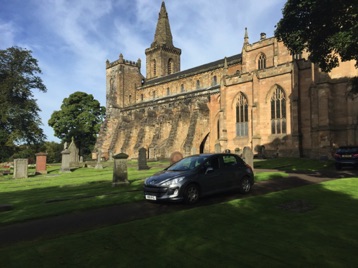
(217, 148)
(99, 156)
(175, 157)
(65, 163)
(142, 159)
(74, 153)
(41, 163)
(20, 168)
(248, 156)
(120, 170)
(152, 153)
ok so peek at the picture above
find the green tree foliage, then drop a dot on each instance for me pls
(327, 29)
(80, 117)
(53, 150)
(19, 119)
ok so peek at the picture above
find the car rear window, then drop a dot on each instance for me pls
(348, 150)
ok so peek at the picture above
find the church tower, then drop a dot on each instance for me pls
(162, 58)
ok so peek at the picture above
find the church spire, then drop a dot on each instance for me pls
(163, 35)
(162, 58)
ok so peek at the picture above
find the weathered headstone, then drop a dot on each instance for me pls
(20, 168)
(41, 163)
(99, 156)
(217, 148)
(248, 156)
(65, 163)
(74, 153)
(120, 172)
(175, 157)
(142, 159)
(152, 154)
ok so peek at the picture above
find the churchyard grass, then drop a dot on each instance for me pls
(309, 226)
(85, 188)
(57, 193)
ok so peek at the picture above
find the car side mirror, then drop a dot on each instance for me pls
(209, 170)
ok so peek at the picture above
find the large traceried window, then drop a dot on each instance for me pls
(261, 62)
(242, 116)
(278, 112)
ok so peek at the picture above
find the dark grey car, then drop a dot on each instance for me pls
(199, 175)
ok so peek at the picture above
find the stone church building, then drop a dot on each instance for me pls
(264, 98)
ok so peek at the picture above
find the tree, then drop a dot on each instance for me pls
(327, 29)
(80, 118)
(19, 119)
(53, 150)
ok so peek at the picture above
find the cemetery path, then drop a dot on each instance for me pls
(53, 227)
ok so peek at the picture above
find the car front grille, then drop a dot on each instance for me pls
(157, 191)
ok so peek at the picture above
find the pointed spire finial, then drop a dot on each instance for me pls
(246, 38)
(163, 33)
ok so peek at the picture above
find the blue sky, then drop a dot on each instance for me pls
(72, 39)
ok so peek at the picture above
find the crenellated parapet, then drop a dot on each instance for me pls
(121, 60)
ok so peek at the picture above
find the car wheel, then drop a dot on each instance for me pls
(191, 194)
(245, 185)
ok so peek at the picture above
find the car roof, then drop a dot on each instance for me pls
(211, 154)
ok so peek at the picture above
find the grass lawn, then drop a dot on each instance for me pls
(310, 226)
(84, 188)
(57, 193)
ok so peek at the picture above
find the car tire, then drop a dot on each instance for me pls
(245, 185)
(191, 194)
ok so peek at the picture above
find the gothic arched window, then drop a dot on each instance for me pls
(262, 62)
(242, 116)
(214, 81)
(278, 111)
(218, 129)
(154, 68)
(182, 89)
(170, 66)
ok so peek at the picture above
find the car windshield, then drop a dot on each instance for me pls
(188, 163)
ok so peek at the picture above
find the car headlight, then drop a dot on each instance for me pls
(172, 181)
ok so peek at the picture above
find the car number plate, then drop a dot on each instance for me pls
(346, 155)
(150, 197)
